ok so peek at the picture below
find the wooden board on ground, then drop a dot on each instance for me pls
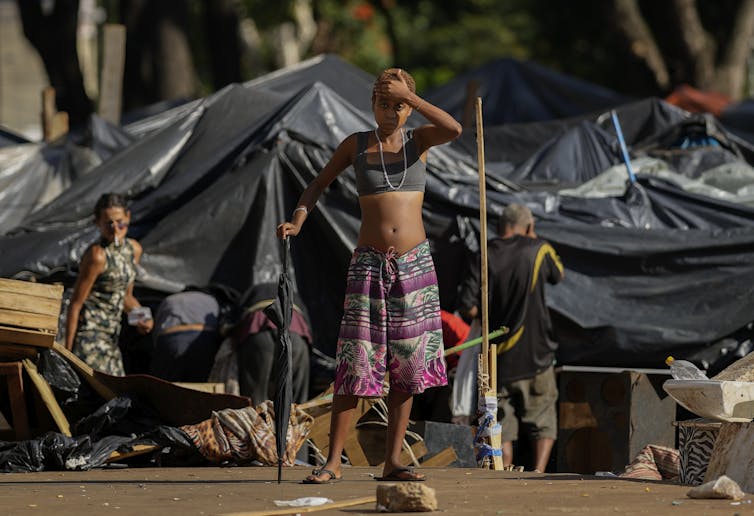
(175, 405)
(297, 510)
(136, 450)
(441, 459)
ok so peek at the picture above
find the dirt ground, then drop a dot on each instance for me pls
(215, 491)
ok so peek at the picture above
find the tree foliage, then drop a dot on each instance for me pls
(182, 48)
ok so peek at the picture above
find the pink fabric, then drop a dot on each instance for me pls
(254, 322)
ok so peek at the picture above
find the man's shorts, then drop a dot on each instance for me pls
(533, 401)
(391, 323)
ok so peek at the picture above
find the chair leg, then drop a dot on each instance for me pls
(13, 373)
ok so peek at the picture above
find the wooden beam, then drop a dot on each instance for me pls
(418, 450)
(15, 352)
(47, 290)
(48, 398)
(28, 320)
(86, 371)
(30, 303)
(441, 459)
(15, 381)
(54, 123)
(138, 449)
(24, 337)
(297, 510)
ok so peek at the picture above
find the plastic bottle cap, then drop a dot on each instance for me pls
(669, 360)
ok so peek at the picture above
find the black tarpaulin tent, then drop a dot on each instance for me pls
(662, 269)
(515, 91)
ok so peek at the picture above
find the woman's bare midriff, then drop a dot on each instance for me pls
(392, 219)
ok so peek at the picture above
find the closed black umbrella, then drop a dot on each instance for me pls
(280, 313)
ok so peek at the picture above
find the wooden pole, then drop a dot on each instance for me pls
(488, 356)
(111, 78)
(483, 239)
(54, 122)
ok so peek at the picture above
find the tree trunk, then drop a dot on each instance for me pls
(290, 40)
(690, 47)
(159, 63)
(385, 8)
(174, 67)
(641, 44)
(54, 37)
(730, 78)
(223, 40)
(698, 46)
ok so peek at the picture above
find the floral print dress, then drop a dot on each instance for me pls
(99, 324)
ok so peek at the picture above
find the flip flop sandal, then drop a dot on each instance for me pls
(331, 477)
(402, 475)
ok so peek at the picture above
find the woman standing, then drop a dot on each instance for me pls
(104, 289)
(391, 320)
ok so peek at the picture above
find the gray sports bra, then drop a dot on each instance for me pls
(370, 177)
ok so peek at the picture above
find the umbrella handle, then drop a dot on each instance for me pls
(286, 253)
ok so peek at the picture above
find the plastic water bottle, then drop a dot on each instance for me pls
(684, 370)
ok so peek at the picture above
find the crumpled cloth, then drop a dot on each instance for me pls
(654, 462)
(248, 434)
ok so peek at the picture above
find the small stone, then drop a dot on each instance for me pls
(406, 497)
(723, 487)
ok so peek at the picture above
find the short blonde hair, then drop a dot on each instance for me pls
(395, 74)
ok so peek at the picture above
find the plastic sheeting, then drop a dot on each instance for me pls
(515, 91)
(118, 425)
(654, 269)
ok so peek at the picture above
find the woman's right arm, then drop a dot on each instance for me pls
(92, 265)
(341, 158)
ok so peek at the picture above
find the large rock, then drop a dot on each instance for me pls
(406, 497)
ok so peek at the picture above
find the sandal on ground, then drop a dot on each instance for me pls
(314, 477)
(402, 475)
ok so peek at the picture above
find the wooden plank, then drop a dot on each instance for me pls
(352, 447)
(31, 288)
(30, 303)
(27, 320)
(419, 450)
(138, 449)
(15, 352)
(4, 425)
(211, 387)
(441, 459)
(320, 431)
(297, 510)
(23, 336)
(86, 371)
(48, 398)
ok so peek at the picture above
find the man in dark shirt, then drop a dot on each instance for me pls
(256, 337)
(519, 266)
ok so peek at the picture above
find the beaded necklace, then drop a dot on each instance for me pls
(382, 160)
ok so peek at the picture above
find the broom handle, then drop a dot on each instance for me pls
(483, 238)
